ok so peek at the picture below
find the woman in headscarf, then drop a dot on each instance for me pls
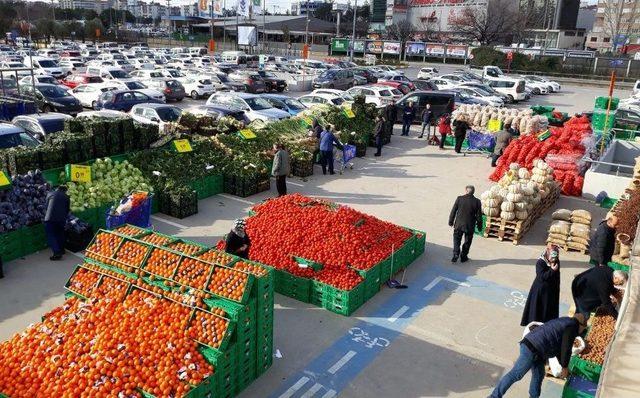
(238, 242)
(544, 296)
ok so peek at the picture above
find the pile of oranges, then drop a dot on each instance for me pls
(104, 246)
(130, 230)
(156, 239)
(193, 273)
(208, 328)
(253, 269)
(83, 281)
(216, 257)
(162, 263)
(131, 253)
(107, 348)
(111, 288)
(185, 248)
(228, 283)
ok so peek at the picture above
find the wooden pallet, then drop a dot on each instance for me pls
(571, 249)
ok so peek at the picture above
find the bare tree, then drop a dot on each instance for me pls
(619, 18)
(490, 25)
(402, 30)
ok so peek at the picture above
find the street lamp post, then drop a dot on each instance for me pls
(353, 33)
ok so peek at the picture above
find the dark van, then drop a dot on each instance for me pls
(441, 102)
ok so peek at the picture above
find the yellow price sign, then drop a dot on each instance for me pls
(182, 145)
(349, 113)
(5, 181)
(247, 134)
(78, 173)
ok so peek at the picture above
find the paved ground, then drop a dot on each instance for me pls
(451, 334)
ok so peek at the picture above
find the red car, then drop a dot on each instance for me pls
(75, 80)
(404, 87)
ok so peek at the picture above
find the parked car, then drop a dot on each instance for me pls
(133, 84)
(105, 113)
(628, 119)
(158, 114)
(52, 98)
(198, 87)
(536, 88)
(427, 73)
(147, 74)
(122, 100)
(377, 95)
(335, 78)
(397, 94)
(171, 88)
(44, 66)
(255, 107)
(513, 88)
(12, 136)
(441, 103)
(346, 97)
(488, 90)
(218, 111)
(484, 97)
(108, 72)
(400, 86)
(321, 99)
(41, 125)
(552, 86)
(285, 103)
(366, 73)
(39, 79)
(425, 85)
(253, 82)
(88, 94)
(462, 97)
(68, 66)
(401, 79)
(15, 65)
(76, 80)
(272, 82)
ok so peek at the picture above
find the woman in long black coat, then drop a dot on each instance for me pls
(544, 296)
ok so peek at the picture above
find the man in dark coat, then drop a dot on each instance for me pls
(603, 242)
(544, 296)
(391, 118)
(460, 127)
(408, 113)
(427, 114)
(378, 131)
(58, 205)
(465, 215)
(503, 138)
(593, 288)
(554, 339)
(238, 242)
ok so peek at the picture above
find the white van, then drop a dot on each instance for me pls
(44, 66)
(234, 57)
(511, 87)
(198, 51)
(108, 72)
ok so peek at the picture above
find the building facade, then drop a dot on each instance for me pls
(617, 23)
(304, 7)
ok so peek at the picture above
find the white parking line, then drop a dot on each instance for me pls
(329, 394)
(295, 184)
(398, 313)
(224, 195)
(164, 220)
(312, 391)
(346, 358)
(292, 390)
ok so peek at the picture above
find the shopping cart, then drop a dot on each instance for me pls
(480, 143)
(139, 215)
(348, 154)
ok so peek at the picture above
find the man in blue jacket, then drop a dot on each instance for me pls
(327, 140)
(408, 113)
(553, 339)
(58, 204)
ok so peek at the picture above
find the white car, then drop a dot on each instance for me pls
(158, 114)
(141, 64)
(124, 65)
(144, 74)
(345, 95)
(311, 100)
(444, 84)
(134, 84)
(15, 65)
(377, 95)
(536, 88)
(88, 94)
(68, 67)
(481, 95)
(181, 63)
(48, 79)
(254, 107)
(198, 86)
(552, 86)
(427, 73)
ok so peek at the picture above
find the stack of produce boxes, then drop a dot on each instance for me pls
(232, 295)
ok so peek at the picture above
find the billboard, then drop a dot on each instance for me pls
(358, 46)
(391, 47)
(414, 48)
(456, 51)
(247, 35)
(374, 47)
(435, 49)
(339, 45)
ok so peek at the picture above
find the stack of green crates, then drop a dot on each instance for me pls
(21, 242)
(293, 286)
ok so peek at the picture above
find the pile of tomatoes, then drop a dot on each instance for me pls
(108, 348)
(338, 237)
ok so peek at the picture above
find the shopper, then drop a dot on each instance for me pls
(317, 129)
(460, 127)
(503, 138)
(593, 288)
(281, 168)
(391, 116)
(327, 141)
(238, 242)
(378, 133)
(465, 215)
(58, 205)
(543, 299)
(603, 242)
(444, 128)
(426, 122)
(408, 114)
(554, 339)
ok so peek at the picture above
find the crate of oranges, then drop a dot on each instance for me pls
(187, 247)
(156, 238)
(104, 246)
(210, 329)
(131, 231)
(230, 283)
(83, 281)
(215, 256)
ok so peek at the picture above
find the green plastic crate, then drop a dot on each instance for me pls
(11, 245)
(372, 280)
(603, 102)
(577, 387)
(405, 254)
(53, 176)
(293, 286)
(343, 302)
(451, 141)
(420, 242)
(585, 369)
(618, 266)
(216, 184)
(34, 239)
(608, 203)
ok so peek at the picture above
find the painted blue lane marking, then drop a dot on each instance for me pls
(355, 350)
